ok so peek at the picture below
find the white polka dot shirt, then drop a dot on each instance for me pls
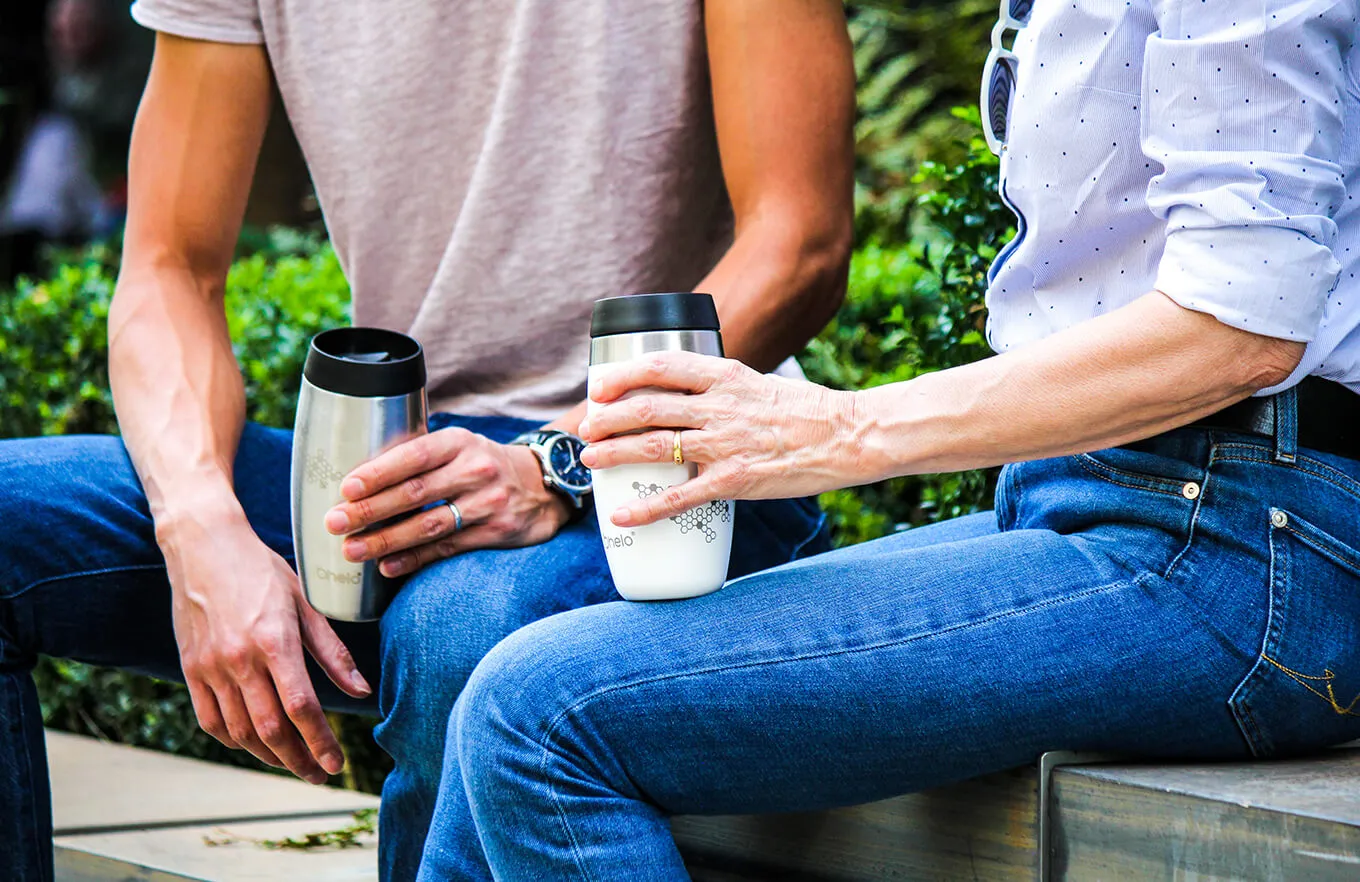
(1209, 149)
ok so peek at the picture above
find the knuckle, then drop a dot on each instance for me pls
(654, 447)
(270, 730)
(497, 497)
(655, 366)
(483, 468)
(446, 548)
(645, 410)
(270, 643)
(239, 733)
(364, 509)
(434, 524)
(416, 454)
(236, 658)
(297, 706)
(731, 371)
(414, 488)
(216, 729)
(674, 498)
(378, 544)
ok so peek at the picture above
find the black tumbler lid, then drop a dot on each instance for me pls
(636, 313)
(365, 363)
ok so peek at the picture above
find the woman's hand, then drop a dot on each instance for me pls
(752, 436)
(498, 489)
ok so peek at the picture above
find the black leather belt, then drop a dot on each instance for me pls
(1328, 417)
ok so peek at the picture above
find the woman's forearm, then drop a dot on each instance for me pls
(1143, 369)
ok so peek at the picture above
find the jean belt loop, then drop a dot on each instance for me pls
(1286, 425)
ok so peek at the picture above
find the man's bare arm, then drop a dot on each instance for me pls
(239, 618)
(784, 104)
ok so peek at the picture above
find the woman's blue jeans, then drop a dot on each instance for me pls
(1197, 595)
(81, 577)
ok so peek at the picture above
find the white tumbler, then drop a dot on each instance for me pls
(676, 557)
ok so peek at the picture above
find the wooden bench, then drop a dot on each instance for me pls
(128, 814)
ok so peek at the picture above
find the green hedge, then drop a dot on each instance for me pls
(911, 309)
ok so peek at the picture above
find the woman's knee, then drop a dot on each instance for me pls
(517, 702)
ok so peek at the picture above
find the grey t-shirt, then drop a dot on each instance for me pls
(489, 169)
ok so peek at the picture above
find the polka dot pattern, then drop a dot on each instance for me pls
(1209, 149)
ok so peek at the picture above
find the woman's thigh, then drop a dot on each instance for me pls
(890, 667)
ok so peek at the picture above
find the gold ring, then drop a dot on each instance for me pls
(676, 453)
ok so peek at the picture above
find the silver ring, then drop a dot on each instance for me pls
(457, 516)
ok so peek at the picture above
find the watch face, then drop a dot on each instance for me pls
(564, 456)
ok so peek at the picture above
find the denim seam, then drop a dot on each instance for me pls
(1340, 555)
(553, 724)
(1112, 475)
(1240, 700)
(1343, 482)
(81, 575)
(1190, 532)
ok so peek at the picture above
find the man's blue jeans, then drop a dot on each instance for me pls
(81, 577)
(1193, 596)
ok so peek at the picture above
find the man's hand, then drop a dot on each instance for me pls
(241, 623)
(498, 489)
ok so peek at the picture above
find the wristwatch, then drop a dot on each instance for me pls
(559, 456)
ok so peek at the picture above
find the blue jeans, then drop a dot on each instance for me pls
(81, 577)
(1196, 596)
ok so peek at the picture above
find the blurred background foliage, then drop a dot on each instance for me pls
(928, 224)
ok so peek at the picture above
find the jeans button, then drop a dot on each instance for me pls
(1278, 519)
(1190, 490)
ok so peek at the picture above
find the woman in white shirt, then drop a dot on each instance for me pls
(1173, 566)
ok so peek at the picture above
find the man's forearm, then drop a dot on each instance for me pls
(178, 393)
(775, 290)
(1144, 369)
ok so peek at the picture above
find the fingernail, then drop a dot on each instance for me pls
(357, 679)
(622, 517)
(351, 488)
(588, 457)
(584, 429)
(333, 763)
(391, 568)
(354, 550)
(337, 521)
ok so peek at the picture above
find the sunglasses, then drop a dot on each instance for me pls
(998, 74)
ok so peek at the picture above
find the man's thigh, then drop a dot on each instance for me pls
(80, 570)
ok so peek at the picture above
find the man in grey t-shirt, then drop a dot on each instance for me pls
(487, 170)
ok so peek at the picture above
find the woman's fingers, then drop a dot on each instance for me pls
(674, 501)
(673, 371)
(658, 446)
(649, 412)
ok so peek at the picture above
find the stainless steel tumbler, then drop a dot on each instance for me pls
(363, 392)
(682, 556)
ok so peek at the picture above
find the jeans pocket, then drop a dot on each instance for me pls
(1136, 469)
(1303, 692)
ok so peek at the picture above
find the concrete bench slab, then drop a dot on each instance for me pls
(101, 787)
(174, 854)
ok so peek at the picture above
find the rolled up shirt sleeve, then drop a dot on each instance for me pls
(1243, 109)
(219, 21)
